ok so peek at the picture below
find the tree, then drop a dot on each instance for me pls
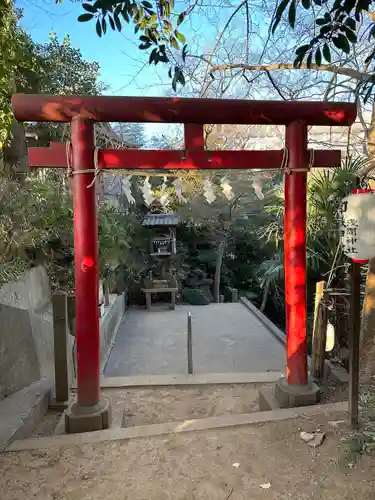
(18, 65)
(340, 24)
(63, 71)
(336, 26)
(19, 68)
(131, 133)
(36, 216)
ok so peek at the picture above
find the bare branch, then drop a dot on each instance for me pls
(275, 86)
(350, 72)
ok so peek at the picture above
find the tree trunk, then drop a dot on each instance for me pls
(219, 262)
(367, 352)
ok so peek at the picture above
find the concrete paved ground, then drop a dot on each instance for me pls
(226, 338)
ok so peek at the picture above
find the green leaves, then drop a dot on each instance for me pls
(155, 21)
(292, 14)
(177, 78)
(90, 8)
(184, 52)
(174, 42)
(104, 25)
(279, 13)
(180, 37)
(342, 43)
(83, 18)
(111, 23)
(98, 28)
(300, 54)
(117, 21)
(158, 55)
(350, 35)
(327, 53)
(180, 18)
(350, 23)
(318, 57)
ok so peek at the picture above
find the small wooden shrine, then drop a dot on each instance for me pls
(162, 249)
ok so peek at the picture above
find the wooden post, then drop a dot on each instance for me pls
(106, 293)
(355, 315)
(189, 345)
(319, 333)
(60, 319)
(319, 292)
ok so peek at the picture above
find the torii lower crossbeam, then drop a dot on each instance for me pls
(84, 111)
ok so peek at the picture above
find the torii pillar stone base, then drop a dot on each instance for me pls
(88, 418)
(284, 395)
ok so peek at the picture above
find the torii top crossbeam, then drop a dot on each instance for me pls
(45, 108)
(295, 159)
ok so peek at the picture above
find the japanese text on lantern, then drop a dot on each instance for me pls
(348, 231)
(357, 225)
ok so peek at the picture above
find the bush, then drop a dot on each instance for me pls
(195, 297)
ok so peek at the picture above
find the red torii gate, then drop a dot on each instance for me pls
(91, 412)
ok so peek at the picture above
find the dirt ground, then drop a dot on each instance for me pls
(144, 406)
(211, 465)
(171, 404)
(46, 426)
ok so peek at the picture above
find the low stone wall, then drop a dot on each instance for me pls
(27, 365)
(19, 365)
(26, 333)
(109, 324)
(32, 291)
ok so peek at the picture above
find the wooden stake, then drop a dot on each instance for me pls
(106, 293)
(319, 291)
(319, 333)
(354, 335)
(60, 321)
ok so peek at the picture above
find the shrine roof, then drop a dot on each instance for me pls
(157, 220)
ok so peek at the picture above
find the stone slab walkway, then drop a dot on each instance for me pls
(226, 338)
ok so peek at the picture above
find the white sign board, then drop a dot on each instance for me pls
(357, 226)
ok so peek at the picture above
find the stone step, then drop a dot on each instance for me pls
(267, 400)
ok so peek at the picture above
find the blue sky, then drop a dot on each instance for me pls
(124, 68)
(116, 53)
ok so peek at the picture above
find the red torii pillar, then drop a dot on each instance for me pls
(90, 412)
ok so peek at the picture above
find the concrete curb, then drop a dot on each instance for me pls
(276, 332)
(111, 310)
(187, 380)
(20, 412)
(203, 424)
(337, 373)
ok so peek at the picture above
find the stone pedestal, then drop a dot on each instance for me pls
(88, 418)
(290, 396)
(283, 395)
